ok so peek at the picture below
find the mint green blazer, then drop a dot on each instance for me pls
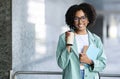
(69, 62)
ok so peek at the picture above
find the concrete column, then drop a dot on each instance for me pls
(5, 39)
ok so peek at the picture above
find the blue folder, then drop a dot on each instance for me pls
(92, 52)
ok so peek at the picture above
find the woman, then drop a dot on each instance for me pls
(70, 57)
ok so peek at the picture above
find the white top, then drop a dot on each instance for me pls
(81, 40)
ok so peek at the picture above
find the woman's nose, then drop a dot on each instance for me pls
(79, 21)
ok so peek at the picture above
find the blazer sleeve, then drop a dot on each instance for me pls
(100, 62)
(62, 54)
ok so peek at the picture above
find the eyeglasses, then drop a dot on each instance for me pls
(82, 18)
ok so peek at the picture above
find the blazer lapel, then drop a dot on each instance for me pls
(91, 38)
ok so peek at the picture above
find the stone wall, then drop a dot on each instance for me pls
(5, 39)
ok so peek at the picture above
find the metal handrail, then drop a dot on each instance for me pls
(56, 73)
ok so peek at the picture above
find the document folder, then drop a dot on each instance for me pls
(92, 52)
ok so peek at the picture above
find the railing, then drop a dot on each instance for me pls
(56, 73)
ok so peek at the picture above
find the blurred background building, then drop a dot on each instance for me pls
(29, 31)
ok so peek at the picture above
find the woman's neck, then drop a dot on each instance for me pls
(81, 32)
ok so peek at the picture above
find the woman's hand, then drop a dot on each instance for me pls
(69, 37)
(67, 34)
(84, 58)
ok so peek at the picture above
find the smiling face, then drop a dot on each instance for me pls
(80, 21)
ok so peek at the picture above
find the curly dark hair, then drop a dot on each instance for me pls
(87, 8)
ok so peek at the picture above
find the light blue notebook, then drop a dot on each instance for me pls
(92, 52)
